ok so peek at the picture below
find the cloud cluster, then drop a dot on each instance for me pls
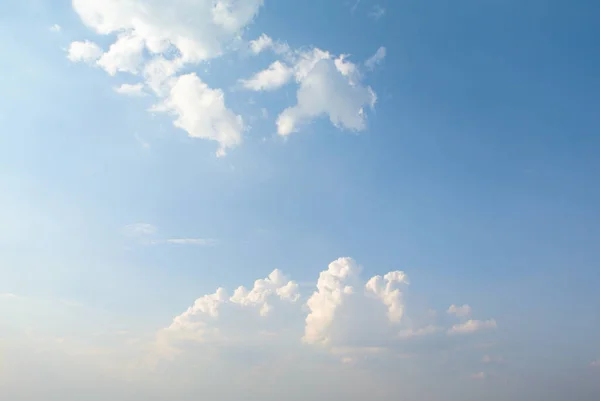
(157, 40)
(344, 315)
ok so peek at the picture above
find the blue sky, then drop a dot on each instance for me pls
(456, 143)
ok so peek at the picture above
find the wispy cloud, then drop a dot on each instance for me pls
(8, 295)
(377, 12)
(472, 326)
(595, 364)
(192, 241)
(140, 229)
(55, 28)
(492, 359)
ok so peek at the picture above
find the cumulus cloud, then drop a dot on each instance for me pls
(330, 294)
(158, 39)
(327, 88)
(265, 42)
(125, 55)
(472, 326)
(131, 89)
(275, 284)
(201, 112)
(460, 311)
(384, 289)
(376, 58)
(194, 31)
(274, 77)
(84, 52)
(55, 28)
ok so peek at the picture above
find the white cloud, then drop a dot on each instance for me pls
(131, 89)
(472, 326)
(55, 28)
(460, 311)
(274, 77)
(329, 296)
(275, 284)
(377, 12)
(8, 295)
(389, 295)
(376, 58)
(201, 112)
(84, 52)
(140, 229)
(326, 89)
(195, 31)
(192, 241)
(125, 55)
(265, 42)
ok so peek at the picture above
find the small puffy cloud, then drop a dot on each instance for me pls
(377, 12)
(327, 89)
(84, 52)
(472, 326)
(55, 28)
(131, 89)
(274, 77)
(264, 42)
(140, 229)
(460, 311)
(201, 112)
(376, 58)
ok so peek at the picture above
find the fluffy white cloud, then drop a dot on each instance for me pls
(460, 311)
(194, 30)
(84, 52)
(131, 89)
(55, 28)
(376, 58)
(327, 88)
(274, 77)
(201, 112)
(125, 55)
(472, 326)
(330, 294)
(274, 284)
(384, 289)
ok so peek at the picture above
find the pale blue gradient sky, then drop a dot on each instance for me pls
(477, 176)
